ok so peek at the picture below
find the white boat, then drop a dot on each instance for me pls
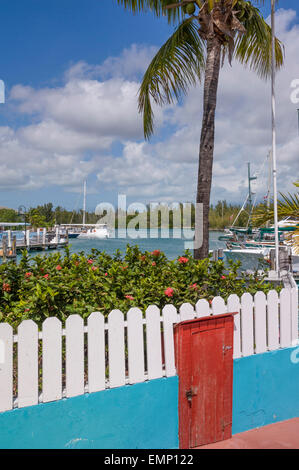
(58, 240)
(86, 231)
(249, 251)
(287, 222)
(97, 231)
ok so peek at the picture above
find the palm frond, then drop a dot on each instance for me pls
(254, 48)
(178, 64)
(158, 7)
(287, 206)
(294, 240)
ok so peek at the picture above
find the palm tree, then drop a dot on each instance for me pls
(207, 32)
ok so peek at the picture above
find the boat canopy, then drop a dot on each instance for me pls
(280, 229)
(13, 224)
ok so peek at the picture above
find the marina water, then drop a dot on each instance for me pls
(145, 240)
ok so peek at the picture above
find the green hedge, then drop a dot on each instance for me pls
(63, 284)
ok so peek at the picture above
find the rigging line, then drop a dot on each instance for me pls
(259, 174)
(242, 208)
(75, 207)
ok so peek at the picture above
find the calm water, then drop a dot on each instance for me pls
(172, 247)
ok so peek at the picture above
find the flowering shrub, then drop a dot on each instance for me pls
(58, 285)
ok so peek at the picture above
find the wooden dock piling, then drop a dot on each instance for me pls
(9, 245)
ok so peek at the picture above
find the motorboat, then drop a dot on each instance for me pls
(97, 231)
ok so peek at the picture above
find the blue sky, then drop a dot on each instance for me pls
(50, 50)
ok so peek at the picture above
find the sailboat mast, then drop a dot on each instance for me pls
(84, 202)
(249, 188)
(269, 179)
(250, 178)
(269, 182)
(274, 139)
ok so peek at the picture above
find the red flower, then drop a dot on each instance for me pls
(154, 263)
(194, 286)
(58, 267)
(223, 277)
(6, 287)
(94, 268)
(26, 309)
(89, 261)
(124, 267)
(156, 252)
(46, 276)
(106, 274)
(129, 297)
(142, 257)
(183, 260)
(28, 274)
(169, 292)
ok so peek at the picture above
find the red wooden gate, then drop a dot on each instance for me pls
(204, 362)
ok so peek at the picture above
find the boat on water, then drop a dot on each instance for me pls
(234, 233)
(73, 234)
(97, 231)
(70, 230)
(259, 241)
(86, 231)
(263, 242)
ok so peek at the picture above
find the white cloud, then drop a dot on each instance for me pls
(130, 64)
(93, 119)
(89, 106)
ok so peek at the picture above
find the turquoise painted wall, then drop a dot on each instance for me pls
(139, 416)
(145, 416)
(266, 389)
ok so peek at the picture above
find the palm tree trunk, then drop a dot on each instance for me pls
(206, 150)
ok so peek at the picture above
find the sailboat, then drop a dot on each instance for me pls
(92, 231)
(233, 233)
(257, 242)
(84, 230)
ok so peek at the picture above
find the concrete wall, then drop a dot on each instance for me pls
(132, 417)
(266, 389)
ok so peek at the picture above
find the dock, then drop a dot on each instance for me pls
(43, 240)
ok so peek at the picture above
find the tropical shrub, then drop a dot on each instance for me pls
(63, 284)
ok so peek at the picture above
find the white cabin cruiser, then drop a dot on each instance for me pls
(97, 231)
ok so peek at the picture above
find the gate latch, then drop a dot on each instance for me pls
(191, 393)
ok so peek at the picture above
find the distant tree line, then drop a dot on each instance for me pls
(222, 215)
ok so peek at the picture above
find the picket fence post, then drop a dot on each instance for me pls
(135, 346)
(6, 367)
(234, 306)
(169, 318)
(116, 349)
(74, 328)
(52, 359)
(96, 352)
(153, 343)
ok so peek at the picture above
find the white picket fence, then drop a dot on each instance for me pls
(95, 354)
